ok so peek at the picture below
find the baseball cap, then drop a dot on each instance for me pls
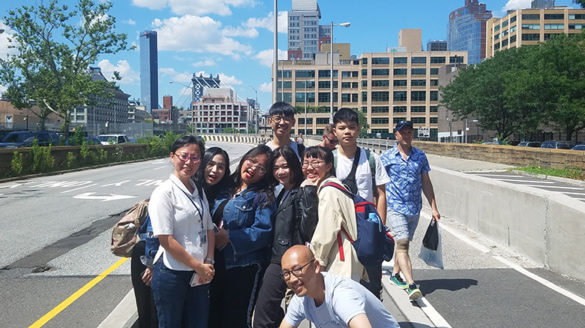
(402, 124)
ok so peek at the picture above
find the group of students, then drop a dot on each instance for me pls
(223, 236)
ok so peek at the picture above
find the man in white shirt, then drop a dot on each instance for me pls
(371, 187)
(282, 120)
(328, 300)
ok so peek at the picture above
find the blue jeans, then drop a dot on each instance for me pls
(177, 303)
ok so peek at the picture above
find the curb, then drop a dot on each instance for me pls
(124, 314)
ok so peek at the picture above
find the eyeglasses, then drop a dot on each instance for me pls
(298, 272)
(185, 157)
(278, 118)
(314, 164)
(332, 141)
(254, 163)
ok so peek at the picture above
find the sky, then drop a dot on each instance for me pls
(234, 38)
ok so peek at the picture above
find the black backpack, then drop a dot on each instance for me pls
(350, 182)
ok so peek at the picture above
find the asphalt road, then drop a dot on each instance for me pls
(56, 236)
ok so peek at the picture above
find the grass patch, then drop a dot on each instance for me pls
(575, 173)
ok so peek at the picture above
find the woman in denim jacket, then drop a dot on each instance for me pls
(244, 238)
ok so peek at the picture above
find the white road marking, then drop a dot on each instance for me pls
(83, 187)
(61, 184)
(527, 181)
(12, 186)
(555, 187)
(149, 182)
(105, 198)
(116, 184)
(432, 313)
(501, 175)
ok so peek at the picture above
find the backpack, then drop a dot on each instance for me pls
(350, 182)
(125, 231)
(373, 243)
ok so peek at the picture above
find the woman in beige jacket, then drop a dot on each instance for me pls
(330, 242)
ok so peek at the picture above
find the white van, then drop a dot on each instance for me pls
(112, 139)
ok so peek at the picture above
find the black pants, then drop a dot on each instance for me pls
(144, 300)
(268, 312)
(375, 284)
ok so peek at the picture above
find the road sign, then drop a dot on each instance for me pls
(424, 132)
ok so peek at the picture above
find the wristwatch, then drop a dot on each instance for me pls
(209, 260)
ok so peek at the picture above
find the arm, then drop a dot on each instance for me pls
(308, 206)
(210, 243)
(381, 203)
(359, 321)
(427, 187)
(329, 225)
(256, 236)
(285, 324)
(176, 250)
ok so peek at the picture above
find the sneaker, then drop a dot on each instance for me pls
(413, 292)
(397, 280)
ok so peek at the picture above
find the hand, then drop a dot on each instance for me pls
(205, 271)
(147, 276)
(436, 215)
(221, 239)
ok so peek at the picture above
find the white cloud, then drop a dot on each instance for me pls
(268, 22)
(265, 87)
(195, 7)
(176, 34)
(516, 4)
(4, 42)
(238, 31)
(128, 75)
(2, 89)
(204, 63)
(130, 22)
(175, 76)
(265, 57)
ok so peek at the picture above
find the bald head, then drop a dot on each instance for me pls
(297, 254)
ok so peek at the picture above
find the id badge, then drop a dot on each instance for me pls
(202, 238)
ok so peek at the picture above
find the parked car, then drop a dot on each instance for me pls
(529, 144)
(112, 139)
(16, 139)
(557, 144)
(579, 147)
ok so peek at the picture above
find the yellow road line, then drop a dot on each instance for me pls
(51, 314)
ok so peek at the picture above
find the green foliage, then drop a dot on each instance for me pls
(84, 150)
(581, 2)
(78, 137)
(102, 156)
(576, 173)
(42, 160)
(364, 126)
(229, 130)
(300, 109)
(70, 160)
(55, 46)
(16, 164)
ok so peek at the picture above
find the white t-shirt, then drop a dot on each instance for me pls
(173, 213)
(363, 173)
(344, 299)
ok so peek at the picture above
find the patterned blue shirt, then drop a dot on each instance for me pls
(403, 192)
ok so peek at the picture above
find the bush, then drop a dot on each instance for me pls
(70, 161)
(16, 163)
(42, 160)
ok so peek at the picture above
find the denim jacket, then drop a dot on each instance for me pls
(246, 217)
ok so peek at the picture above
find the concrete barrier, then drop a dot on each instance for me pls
(544, 226)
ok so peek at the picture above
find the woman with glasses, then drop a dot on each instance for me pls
(180, 219)
(244, 238)
(288, 222)
(337, 222)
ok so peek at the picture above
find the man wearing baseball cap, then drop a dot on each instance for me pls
(408, 169)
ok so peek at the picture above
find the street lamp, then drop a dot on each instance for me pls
(193, 122)
(305, 130)
(275, 73)
(346, 24)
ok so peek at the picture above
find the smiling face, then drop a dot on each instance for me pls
(282, 173)
(347, 133)
(281, 125)
(186, 161)
(315, 169)
(253, 169)
(300, 270)
(215, 170)
(404, 136)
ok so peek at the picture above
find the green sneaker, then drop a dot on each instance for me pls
(397, 280)
(413, 292)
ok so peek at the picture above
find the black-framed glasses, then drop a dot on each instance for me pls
(298, 272)
(278, 118)
(332, 141)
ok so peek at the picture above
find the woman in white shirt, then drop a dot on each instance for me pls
(180, 218)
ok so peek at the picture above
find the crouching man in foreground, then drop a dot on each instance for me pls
(328, 300)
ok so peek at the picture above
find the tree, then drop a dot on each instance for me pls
(56, 46)
(581, 2)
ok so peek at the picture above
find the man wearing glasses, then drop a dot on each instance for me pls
(282, 120)
(328, 300)
(329, 138)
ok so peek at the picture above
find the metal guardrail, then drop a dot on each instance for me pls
(376, 145)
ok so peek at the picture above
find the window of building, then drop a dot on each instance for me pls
(419, 120)
(325, 84)
(324, 97)
(400, 71)
(434, 120)
(418, 83)
(418, 60)
(400, 83)
(380, 120)
(364, 72)
(576, 16)
(400, 60)
(513, 29)
(364, 83)
(381, 61)
(434, 109)
(354, 85)
(381, 131)
(456, 60)
(434, 83)
(398, 119)
(530, 37)
(322, 120)
(364, 109)
(513, 19)
(497, 28)
(399, 96)
(301, 120)
(504, 43)
(303, 84)
(554, 16)
(346, 85)
(418, 95)
(434, 71)
(364, 61)
(354, 97)
(380, 72)
(554, 26)
(497, 36)
(497, 46)
(345, 97)
(380, 109)
(418, 109)
(575, 26)
(364, 96)
(437, 60)
(305, 73)
(418, 71)
(530, 16)
(504, 24)
(285, 73)
(284, 84)
(380, 96)
(399, 109)
(286, 96)
(327, 73)
(346, 74)
(434, 95)
(512, 39)
(380, 83)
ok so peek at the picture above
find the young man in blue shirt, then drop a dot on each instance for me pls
(408, 169)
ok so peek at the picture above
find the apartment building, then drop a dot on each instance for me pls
(219, 109)
(387, 87)
(531, 26)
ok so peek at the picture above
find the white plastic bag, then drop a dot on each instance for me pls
(432, 257)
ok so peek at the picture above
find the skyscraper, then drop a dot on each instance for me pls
(542, 4)
(148, 70)
(305, 35)
(467, 28)
(437, 45)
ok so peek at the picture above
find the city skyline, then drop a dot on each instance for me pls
(234, 38)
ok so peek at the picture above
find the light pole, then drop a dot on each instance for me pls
(476, 128)
(193, 121)
(346, 24)
(305, 130)
(275, 73)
